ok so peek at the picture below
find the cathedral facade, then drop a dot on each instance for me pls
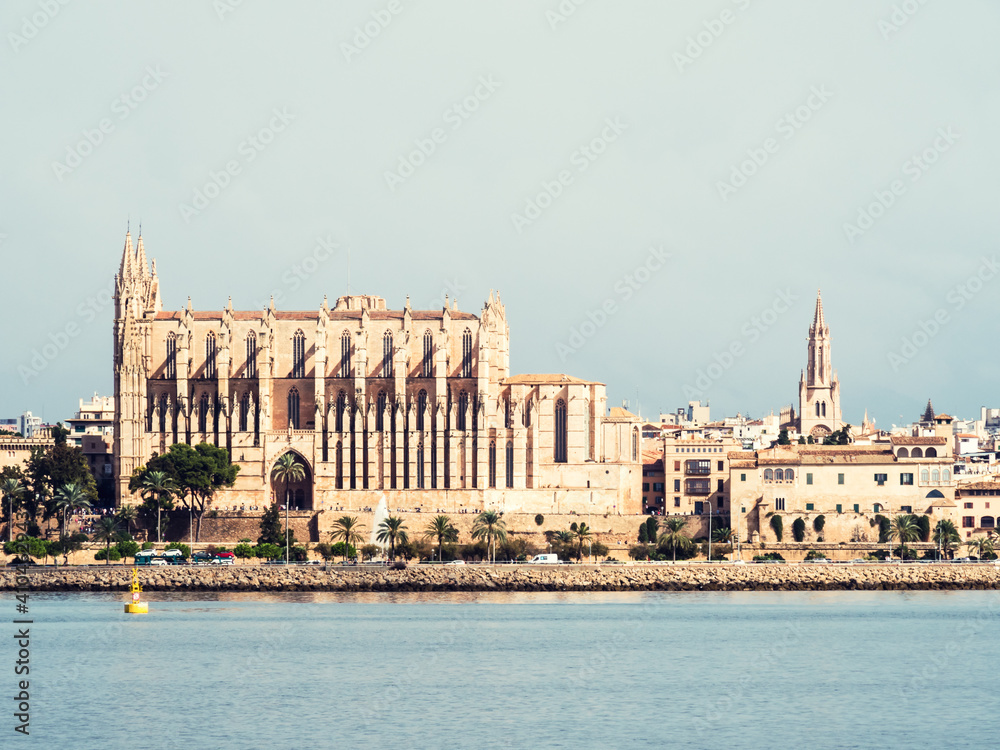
(416, 406)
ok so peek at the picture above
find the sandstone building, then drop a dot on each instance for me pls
(416, 405)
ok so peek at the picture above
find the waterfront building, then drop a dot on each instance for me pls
(846, 484)
(94, 417)
(978, 508)
(697, 476)
(415, 406)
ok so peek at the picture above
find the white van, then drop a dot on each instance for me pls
(552, 559)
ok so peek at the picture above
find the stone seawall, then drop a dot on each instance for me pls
(773, 577)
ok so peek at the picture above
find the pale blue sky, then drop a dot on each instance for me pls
(531, 91)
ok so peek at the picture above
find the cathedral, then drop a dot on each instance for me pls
(417, 407)
(819, 389)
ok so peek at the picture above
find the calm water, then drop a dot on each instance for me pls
(810, 670)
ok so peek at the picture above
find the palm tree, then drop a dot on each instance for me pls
(905, 529)
(582, 534)
(391, 530)
(107, 532)
(982, 546)
(674, 534)
(12, 491)
(489, 526)
(723, 536)
(69, 497)
(158, 486)
(441, 528)
(346, 529)
(946, 536)
(127, 515)
(288, 470)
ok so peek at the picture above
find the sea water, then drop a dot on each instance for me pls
(573, 670)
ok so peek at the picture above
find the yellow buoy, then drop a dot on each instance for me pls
(136, 607)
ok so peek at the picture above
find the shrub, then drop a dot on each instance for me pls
(111, 554)
(243, 550)
(815, 555)
(776, 525)
(798, 530)
(643, 536)
(818, 523)
(598, 549)
(884, 525)
(338, 549)
(185, 550)
(268, 551)
(652, 530)
(369, 551)
(127, 548)
(639, 551)
(539, 519)
(148, 545)
(769, 556)
(298, 553)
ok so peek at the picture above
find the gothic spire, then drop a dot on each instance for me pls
(141, 264)
(928, 412)
(819, 322)
(127, 268)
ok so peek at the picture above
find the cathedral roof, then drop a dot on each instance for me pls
(549, 379)
(313, 316)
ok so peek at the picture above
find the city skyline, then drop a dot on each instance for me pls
(636, 227)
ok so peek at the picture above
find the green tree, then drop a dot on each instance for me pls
(13, 491)
(184, 549)
(643, 535)
(68, 498)
(442, 529)
(674, 535)
(243, 550)
(981, 546)
(288, 469)
(127, 514)
(582, 534)
(270, 526)
(490, 527)
(652, 529)
(347, 530)
(197, 473)
(391, 530)
(924, 524)
(369, 551)
(268, 551)
(106, 531)
(783, 438)
(157, 491)
(905, 529)
(884, 527)
(49, 469)
(723, 535)
(818, 523)
(127, 548)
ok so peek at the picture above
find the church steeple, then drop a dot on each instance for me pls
(127, 268)
(819, 322)
(819, 389)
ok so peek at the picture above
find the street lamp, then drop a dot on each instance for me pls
(709, 530)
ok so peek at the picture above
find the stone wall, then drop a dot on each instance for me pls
(681, 577)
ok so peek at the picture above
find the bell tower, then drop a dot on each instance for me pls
(819, 388)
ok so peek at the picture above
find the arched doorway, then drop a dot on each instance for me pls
(299, 492)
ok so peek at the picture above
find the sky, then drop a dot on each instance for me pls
(656, 189)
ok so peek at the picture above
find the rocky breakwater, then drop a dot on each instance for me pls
(686, 577)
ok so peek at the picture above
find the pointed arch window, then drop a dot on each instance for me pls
(560, 430)
(299, 355)
(210, 351)
(380, 404)
(345, 354)
(245, 412)
(527, 413)
(507, 421)
(824, 408)
(341, 407)
(251, 370)
(421, 408)
(635, 445)
(493, 463)
(463, 407)
(509, 464)
(427, 368)
(387, 355)
(817, 409)
(420, 466)
(467, 354)
(171, 372)
(293, 408)
(203, 408)
(164, 406)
